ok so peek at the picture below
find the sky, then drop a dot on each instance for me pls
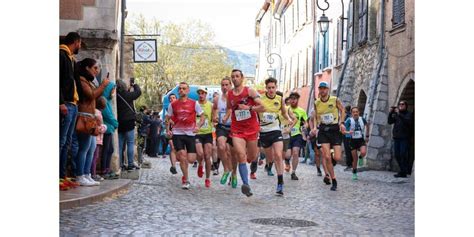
(233, 21)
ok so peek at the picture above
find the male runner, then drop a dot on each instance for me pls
(204, 136)
(224, 142)
(328, 111)
(358, 126)
(169, 127)
(243, 103)
(270, 132)
(183, 114)
(296, 140)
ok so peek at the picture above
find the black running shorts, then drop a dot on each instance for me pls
(223, 131)
(330, 134)
(297, 141)
(356, 144)
(181, 142)
(268, 138)
(204, 138)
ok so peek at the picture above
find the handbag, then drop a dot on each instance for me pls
(87, 124)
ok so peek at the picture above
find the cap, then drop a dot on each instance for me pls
(323, 84)
(202, 89)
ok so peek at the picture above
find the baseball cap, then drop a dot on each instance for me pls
(323, 84)
(201, 88)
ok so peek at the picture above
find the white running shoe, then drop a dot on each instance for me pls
(186, 186)
(83, 181)
(89, 178)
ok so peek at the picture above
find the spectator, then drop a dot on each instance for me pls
(112, 124)
(69, 90)
(100, 105)
(126, 118)
(403, 122)
(88, 70)
(143, 130)
(155, 127)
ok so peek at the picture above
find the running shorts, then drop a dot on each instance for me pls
(181, 142)
(204, 138)
(330, 134)
(297, 141)
(247, 135)
(356, 144)
(223, 131)
(268, 138)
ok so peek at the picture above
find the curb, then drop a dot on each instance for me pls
(82, 196)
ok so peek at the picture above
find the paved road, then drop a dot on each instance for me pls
(375, 205)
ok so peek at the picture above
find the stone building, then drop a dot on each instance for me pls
(98, 22)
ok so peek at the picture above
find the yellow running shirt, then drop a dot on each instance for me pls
(207, 111)
(327, 111)
(270, 119)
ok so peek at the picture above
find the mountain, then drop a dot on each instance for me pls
(243, 61)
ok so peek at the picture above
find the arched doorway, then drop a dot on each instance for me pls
(408, 95)
(361, 102)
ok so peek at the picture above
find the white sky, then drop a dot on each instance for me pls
(233, 21)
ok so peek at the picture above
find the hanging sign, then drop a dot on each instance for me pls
(144, 51)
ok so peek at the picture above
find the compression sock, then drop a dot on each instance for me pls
(244, 173)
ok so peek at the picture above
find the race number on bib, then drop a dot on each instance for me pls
(242, 115)
(268, 117)
(205, 124)
(294, 130)
(357, 134)
(327, 118)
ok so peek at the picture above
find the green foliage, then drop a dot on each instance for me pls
(186, 52)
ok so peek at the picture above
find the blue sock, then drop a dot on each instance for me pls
(244, 173)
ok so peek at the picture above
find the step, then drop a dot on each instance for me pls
(82, 196)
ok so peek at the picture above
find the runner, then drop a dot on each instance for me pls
(224, 142)
(243, 104)
(328, 111)
(358, 127)
(169, 127)
(313, 138)
(270, 131)
(183, 114)
(296, 140)
(204, 136)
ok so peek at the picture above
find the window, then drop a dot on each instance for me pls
(363, 9)
(350, 24)
(398, 12)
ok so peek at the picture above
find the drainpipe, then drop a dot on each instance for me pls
(381, 60)
(313, 70)
(122, 38)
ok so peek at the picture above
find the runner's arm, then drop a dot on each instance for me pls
(214, 110)
(259, 107)
(342, 113)
(228, 112)
(284, 111)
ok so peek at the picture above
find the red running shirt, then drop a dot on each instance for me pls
(183, 114)
(242, 120)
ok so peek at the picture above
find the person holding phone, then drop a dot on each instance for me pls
(402, 120)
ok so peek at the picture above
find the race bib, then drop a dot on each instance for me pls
(357, 134)
(294, 130)
(327, 118)
(206, 124)
(242, 115)
(268, 117)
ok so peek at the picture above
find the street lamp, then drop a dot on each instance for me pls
(323, 21)
(270, 61)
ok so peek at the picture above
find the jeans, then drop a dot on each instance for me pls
(128, 139)
(74, 150)
(401, 148)
(87, 144)
(66, 128)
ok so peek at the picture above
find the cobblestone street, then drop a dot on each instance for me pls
(375, 205)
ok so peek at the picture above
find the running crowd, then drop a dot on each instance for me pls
(233, 129)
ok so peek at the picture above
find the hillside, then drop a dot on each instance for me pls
(243, 61)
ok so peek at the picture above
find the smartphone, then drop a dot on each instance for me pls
(108, 73)
(132, 81)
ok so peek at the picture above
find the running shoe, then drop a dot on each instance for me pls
(216, 172)
(354, 176)
(246, 190)
(293, 176)
(279, 190)
(360, 162)
(270, 173)
(253, 176)
(326, 180)
(334, 185)
(173, 170)
(234, 181)
(200, 171)
(287, 167)
(224, 177)
(207, 183)
(186, 185)
(319, 173)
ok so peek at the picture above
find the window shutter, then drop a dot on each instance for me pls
(398, 12)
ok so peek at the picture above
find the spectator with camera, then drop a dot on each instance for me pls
(127, 117)
(402, 121)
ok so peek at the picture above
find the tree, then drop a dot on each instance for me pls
(186, 52)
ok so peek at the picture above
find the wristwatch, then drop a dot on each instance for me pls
(250, 109)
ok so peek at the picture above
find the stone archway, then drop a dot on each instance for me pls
(362, 101)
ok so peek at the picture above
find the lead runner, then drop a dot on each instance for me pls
(243, 103)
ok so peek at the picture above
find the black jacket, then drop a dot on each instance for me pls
(125, 115)
(67, 76)
(403, 121)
